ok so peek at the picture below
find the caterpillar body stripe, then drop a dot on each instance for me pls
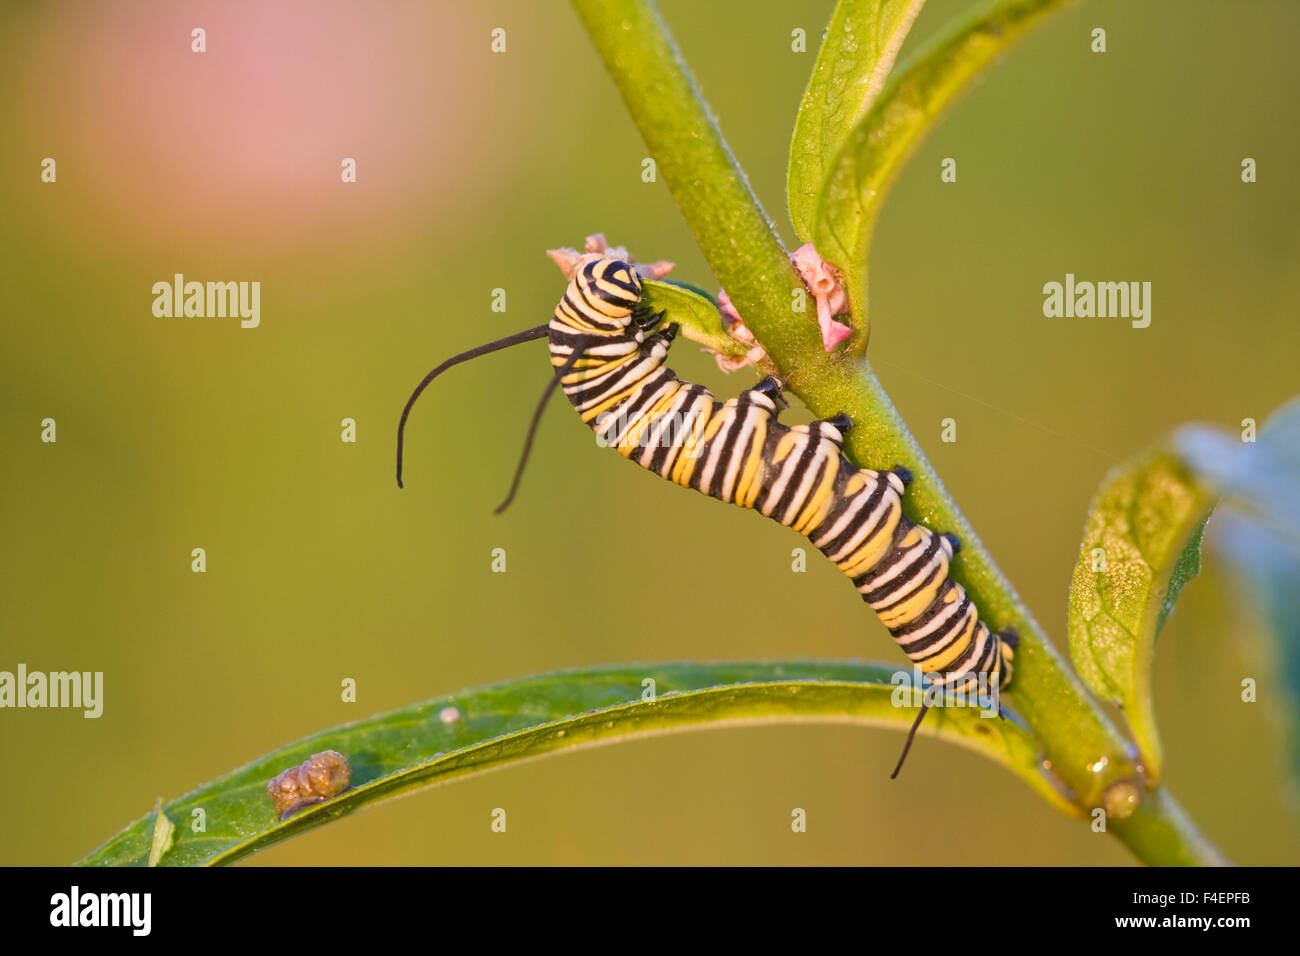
(608, 352)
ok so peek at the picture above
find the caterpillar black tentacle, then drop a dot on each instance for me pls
(610, 362)
(518, 338)
(532, 431)
(841, 421)
(911, 733)
(772, 388)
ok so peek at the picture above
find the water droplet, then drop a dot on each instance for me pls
(1121, 798)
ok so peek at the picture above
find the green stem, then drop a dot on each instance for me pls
(1094, 763)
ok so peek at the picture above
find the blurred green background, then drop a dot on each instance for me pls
(183, 433)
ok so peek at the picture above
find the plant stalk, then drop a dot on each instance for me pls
(1095, 764)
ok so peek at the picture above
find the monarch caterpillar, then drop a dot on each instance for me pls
(608, 352)
(319, 777)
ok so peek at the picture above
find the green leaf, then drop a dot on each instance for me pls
(695, 311)
(1142, 543)
(477, 730)
(856, 56)
(163, 832)
(866, 165)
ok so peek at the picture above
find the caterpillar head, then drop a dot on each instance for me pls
(608, 290)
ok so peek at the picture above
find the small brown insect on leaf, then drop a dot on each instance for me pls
(316, 779)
